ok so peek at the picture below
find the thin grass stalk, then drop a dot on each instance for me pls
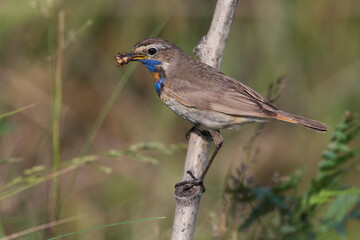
(57, 103)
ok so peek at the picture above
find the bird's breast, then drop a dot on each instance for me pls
(158, 78)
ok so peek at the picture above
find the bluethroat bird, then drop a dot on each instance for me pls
(207, 98)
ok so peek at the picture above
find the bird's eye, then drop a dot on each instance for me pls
(152, 51)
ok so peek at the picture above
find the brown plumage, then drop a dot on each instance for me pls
(209, 99)
(220, 93)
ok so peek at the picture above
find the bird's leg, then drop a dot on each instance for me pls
(218, 140)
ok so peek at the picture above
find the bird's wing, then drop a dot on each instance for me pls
(218, 92)
(203, 87)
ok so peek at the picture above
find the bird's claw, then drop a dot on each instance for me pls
(192, 183)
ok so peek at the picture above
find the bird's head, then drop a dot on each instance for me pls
(154, 53)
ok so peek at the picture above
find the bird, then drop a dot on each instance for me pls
(204, 96)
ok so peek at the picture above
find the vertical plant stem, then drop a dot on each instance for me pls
(57, 99)
(50, 57)
(210, 51)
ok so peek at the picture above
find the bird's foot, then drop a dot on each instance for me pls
(192, 183)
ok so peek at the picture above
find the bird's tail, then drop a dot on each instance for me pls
(305, 122)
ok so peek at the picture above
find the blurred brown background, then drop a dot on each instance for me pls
(316, 44)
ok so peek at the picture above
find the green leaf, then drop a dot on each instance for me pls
(34, 170)
(340, 207)
(339, 135)
(341, 127)
(325, 196)
(84, 159)
(329, 155)
(340, 147)
(104, 169)
(352, 134)
(115, 153)
(327, 165)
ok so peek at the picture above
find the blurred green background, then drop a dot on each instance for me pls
(316, 44)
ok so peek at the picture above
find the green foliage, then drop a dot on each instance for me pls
(281, 212)
(134, 151)
(38, 174)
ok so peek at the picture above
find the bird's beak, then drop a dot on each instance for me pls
(123, 59)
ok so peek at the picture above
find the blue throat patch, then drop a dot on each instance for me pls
(150, 64)
(158, 85)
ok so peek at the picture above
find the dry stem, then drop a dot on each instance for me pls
(210, 51)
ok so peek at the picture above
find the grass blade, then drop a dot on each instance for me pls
(57, 104)
(105, 226)
(40, 227)
(4, 115)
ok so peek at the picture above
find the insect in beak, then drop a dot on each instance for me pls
(123, 59)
